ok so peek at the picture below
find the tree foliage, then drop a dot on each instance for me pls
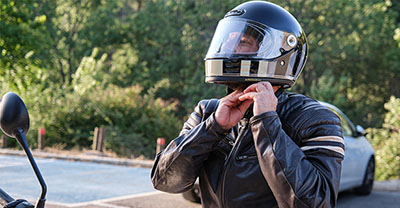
(56, 52)
(386, 142)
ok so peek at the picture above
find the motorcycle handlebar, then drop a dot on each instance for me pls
(5, 198)
(7, 201)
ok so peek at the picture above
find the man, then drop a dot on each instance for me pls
(258, 146)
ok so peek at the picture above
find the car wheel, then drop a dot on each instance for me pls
(193, 194)
(368, 181)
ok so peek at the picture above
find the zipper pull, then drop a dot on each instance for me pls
(241, 157)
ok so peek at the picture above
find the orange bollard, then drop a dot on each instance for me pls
(160, 144)
(41, 134)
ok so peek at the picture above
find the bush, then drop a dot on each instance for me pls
(134, 121)
(386, 142)
(128, 144)
(134, 118)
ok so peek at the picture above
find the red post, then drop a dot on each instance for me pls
(41, 134)
(160, 144)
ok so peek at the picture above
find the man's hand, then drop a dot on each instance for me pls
(263, 96)
(230, 110)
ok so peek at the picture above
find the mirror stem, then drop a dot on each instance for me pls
(20, 135)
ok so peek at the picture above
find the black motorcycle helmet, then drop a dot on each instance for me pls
(256, 41)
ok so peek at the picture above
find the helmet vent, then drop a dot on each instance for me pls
(291, 40)
(236, 12)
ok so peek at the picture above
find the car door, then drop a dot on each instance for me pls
(350, 175)
(358, 151)
(350, 159)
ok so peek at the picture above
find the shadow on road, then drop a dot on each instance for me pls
(163, 200)
(379, 199)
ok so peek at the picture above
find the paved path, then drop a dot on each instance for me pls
(146, 200)
(84, 184)
(379, 199)
(72, 182)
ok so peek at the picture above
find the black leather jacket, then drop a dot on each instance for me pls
(288, 158)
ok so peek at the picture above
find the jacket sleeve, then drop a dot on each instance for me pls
(305, 175)
(176, 168)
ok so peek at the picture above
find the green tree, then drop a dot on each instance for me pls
(133, 117)
(172, 38)
(386, 142)
(76, 27)
(22, 31)
(351, 42)
(55, 54)
(22, 37)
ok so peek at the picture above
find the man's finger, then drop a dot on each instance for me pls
(236, 92)
(247, 96)
(245, 105)
(257, 87)
(267, 86)
(233, 95)
(231, 99)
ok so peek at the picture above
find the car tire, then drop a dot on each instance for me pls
(193, 194)
(368, 181)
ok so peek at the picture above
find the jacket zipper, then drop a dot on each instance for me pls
(242, 132)
(246, 157)
(224, 151)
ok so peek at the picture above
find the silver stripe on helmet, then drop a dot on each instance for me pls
(214, 67)
(271, 69)
(245, 68)
(262, 69)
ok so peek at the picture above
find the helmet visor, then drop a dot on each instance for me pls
(239, 38)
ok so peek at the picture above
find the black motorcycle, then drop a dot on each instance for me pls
(14, 122)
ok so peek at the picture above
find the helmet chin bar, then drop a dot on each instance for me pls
(279, 72)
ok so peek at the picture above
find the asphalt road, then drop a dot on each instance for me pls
(83, 184)
(163, 200)
(381, 199)
(71, 182)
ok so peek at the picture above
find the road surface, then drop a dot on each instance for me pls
(71, 182)
(83, 184)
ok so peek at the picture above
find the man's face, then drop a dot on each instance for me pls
(240, 43)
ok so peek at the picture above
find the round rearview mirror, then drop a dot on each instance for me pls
(13, 115)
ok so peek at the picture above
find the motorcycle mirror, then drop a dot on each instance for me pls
(14, 122)
(13, 115)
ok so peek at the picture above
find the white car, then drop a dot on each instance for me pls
(358, 166)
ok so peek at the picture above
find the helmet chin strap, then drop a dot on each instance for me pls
(229, 89)
(249, 112)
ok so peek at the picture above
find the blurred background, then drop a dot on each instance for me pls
(136, 68)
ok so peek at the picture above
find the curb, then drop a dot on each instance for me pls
(83, 158)
(392, 185)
